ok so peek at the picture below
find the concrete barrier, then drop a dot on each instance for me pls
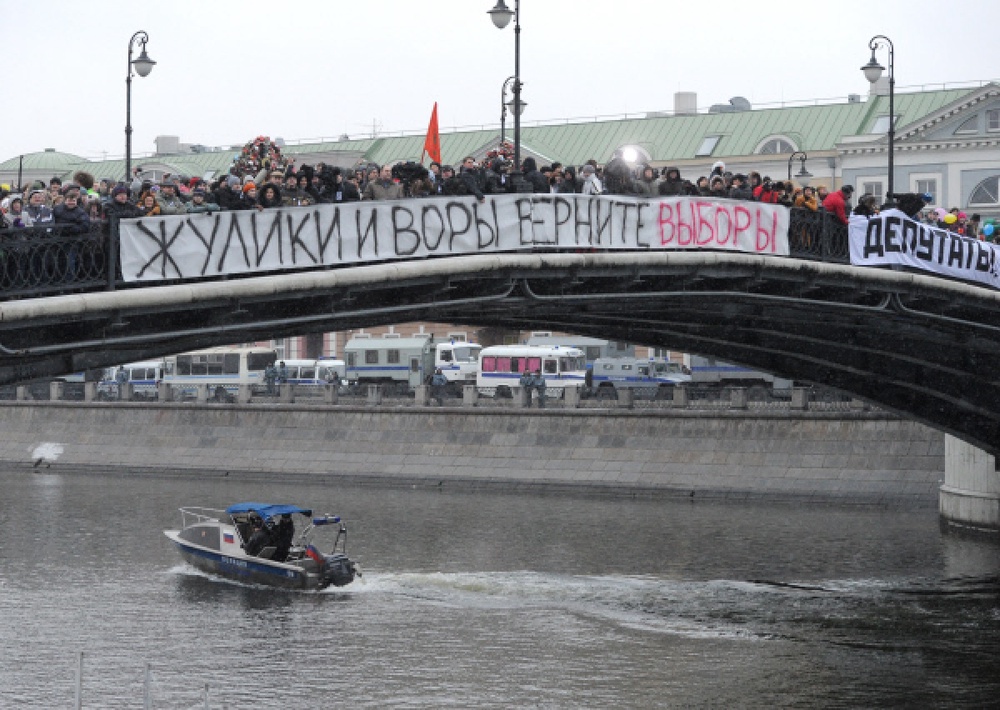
(866, 458)
(970, 496)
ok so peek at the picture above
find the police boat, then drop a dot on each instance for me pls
(258, 543)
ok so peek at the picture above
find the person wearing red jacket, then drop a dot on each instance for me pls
(836, 202)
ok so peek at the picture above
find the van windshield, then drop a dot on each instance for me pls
(464, 353)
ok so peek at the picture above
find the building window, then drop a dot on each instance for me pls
(279, 348)
(993, 120)
(928, 186)
(969, 126)
(707, 146)
(987, 192)
(459, 337)
(371, 357)
(775, 146)
(873, 188)
(881, 124)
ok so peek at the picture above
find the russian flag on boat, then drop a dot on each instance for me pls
(314, 554)
(227, 537)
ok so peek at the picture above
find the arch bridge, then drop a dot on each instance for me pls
(923, 346)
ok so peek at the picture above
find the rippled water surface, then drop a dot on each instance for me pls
(495, 600)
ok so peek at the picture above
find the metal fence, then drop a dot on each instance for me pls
(48, 261)
(644, 399)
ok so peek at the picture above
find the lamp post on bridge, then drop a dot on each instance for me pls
(501, 16)
(873, 72)
(506, 106)
(143, 65)
(803, 175)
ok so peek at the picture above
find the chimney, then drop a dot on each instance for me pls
(167, 145)
(880, 87)
(685, 103)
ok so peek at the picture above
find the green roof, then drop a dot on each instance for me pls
(666, 138)
(46, 160)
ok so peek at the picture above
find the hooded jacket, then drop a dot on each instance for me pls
(533, 176)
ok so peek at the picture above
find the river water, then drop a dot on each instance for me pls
(495, 600)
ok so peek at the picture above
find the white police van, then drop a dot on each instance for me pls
(654, 378)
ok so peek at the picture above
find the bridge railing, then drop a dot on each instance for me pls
(48, 261)
(688, 398)
(45, 261)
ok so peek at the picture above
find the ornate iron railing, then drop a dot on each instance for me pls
(49, 261)
(46, 261)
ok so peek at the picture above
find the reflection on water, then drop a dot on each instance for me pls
(485, 599)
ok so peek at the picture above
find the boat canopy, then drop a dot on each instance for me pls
(267, 510)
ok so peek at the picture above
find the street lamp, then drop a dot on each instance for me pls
(501, 15)
(803, 175)
(873, 72)
(143, 65)
(506, 106)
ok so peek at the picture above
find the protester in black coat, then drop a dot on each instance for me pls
(534, 177)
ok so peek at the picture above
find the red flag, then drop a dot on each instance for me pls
(432, 143)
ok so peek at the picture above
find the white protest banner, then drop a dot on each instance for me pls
(208, 245)
(893, 238)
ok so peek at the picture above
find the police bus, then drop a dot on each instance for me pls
(217, 367)
(501, 367)
(404, 363)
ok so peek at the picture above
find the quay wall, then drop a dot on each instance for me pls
(863, 457)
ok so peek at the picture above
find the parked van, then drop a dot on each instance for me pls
(655, 377)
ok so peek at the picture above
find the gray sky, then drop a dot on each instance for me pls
(230, 70)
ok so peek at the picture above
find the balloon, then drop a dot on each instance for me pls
(988, 230)
(989, 220)
(950, 219)
(940, 212)
(962, 215)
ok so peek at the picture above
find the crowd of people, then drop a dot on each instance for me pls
(261, 179)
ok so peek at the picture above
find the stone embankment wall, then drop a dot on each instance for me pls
(855, 457)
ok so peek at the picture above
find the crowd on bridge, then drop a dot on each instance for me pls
(261, 178)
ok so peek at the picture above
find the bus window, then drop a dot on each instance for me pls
(534, 363)
(257, 361)
(307, 373)
(489, 364)
(503, 364)
(607, 366)
(551, 367)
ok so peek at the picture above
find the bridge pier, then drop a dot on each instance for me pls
(970, 496)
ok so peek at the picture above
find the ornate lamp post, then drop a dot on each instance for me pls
(873, 72)
(506, 106)
(143, 65)
(501, 15)
(803, 175)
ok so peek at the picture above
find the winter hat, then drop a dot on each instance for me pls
(197, 192)
(232, 181)
(249, 186)
(119, 190)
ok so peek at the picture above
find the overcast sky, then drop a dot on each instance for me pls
(229, 70)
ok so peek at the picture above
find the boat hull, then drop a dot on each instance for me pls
(337, 570)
